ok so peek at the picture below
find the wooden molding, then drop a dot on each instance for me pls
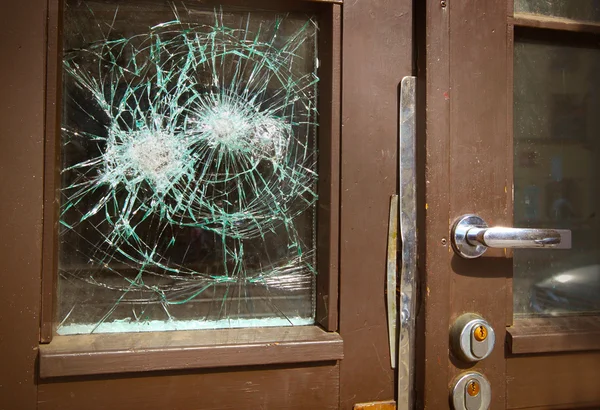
(137, 352)
(554, 381)
(556, 334)
(290, 387)
(553, 23)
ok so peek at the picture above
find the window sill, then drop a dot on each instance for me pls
(553, 23)
(556, 334)
(140, 352)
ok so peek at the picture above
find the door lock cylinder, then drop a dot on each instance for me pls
(472, 338)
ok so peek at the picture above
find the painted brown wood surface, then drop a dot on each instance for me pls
(466, 172)
(285, 388)
(328, 213)
(553, 381)
(377, 54)
(22, 76)
(479, 158)
(139, 352)
(51, 169)
(434, 78)
(557, 334)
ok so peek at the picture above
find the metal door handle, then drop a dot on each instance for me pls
(471, 237)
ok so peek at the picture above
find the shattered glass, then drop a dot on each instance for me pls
(188, 168)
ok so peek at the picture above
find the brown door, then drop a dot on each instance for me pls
(195, 202)
(512, 136)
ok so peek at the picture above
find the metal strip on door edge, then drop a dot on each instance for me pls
(391, 286)
(408, 235)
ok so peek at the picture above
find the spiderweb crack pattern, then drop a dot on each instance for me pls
(189, 139)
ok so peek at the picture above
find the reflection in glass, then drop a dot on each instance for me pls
(556, 174)
(188, 182)
(581, 10)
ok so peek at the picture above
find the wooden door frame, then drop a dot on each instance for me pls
(328, 15)
(551, 362)
(465, 72)
(377, 52)
(23, 30)
(463, 76)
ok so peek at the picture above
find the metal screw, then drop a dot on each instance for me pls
(444, 241)
(443, 3)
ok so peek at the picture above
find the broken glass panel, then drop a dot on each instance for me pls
(188, 168)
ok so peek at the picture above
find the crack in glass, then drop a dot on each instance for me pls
(188, 170)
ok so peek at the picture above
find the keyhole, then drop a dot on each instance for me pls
(480, 333)
(473, 388)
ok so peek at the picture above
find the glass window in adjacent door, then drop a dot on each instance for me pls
(557, 174)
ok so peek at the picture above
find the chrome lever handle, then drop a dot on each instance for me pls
(513, 237)
(471, 237)
(549, 240)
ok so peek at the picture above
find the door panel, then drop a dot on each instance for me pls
(564, 381)
(273, 368)
(22, 122)
(464, 76)
(492, 73)
(255, 388)
(377, 55)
